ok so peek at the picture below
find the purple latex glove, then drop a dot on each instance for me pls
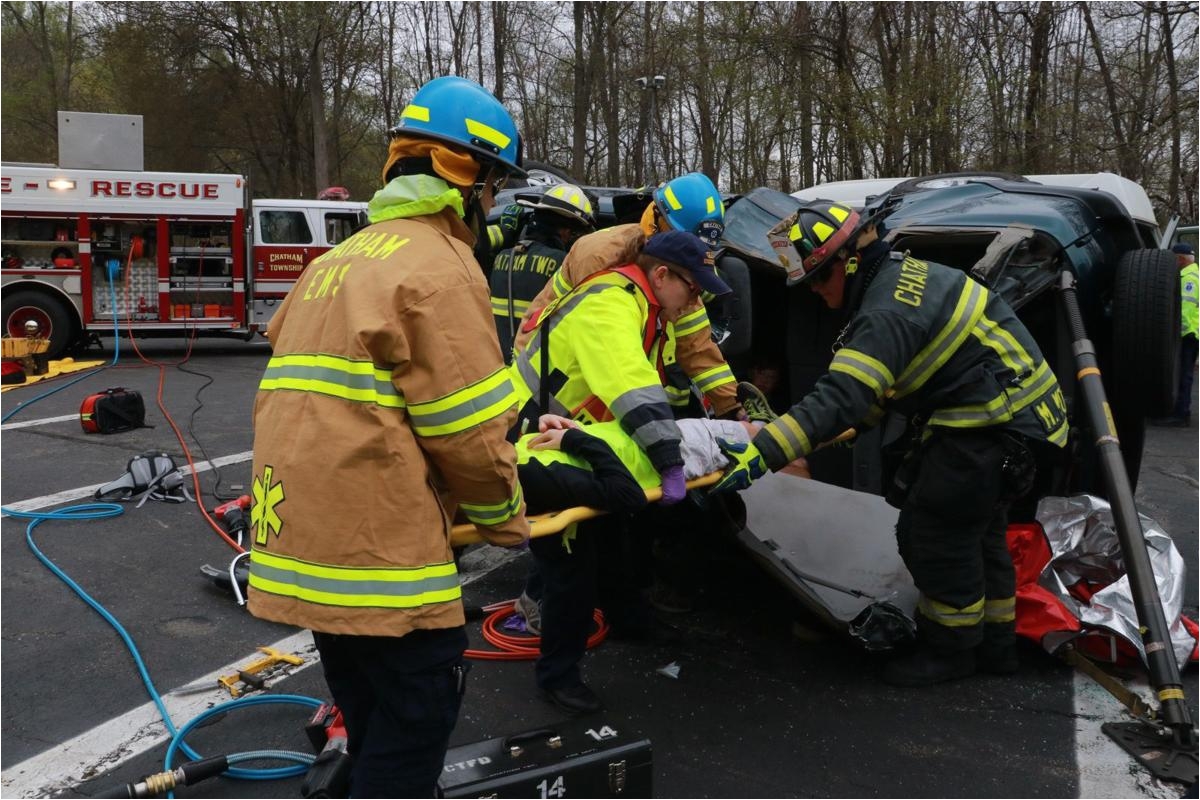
(674, 487)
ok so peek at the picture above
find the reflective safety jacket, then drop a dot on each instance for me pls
(695, 351)
(518, 274)
(927, 340)
(385, 389)
(605, 341)
(631, 458)
(1187, 283)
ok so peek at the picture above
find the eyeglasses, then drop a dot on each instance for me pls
(693, 288)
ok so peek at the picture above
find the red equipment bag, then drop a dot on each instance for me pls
(112, 411)
(11, 373)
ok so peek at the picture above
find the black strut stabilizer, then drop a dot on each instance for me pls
(1168, 749)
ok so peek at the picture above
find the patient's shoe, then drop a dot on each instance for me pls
(754, 402)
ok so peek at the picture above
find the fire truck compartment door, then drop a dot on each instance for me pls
(847, 538)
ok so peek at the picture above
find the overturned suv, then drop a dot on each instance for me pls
(1014, 235)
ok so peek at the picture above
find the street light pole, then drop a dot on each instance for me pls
(653, 84)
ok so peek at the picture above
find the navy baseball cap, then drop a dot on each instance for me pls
(686, 250)
(1183, 248)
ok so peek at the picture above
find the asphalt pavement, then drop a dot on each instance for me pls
(762, 705)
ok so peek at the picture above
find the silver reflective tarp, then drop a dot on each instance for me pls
(1084, 546)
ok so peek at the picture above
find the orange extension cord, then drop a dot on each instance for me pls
(521, 648)
(136, 249)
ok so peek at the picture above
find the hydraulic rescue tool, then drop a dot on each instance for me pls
(329, 775)
(162, 782)
(254, 675)
(1167, 747)
(233, 516)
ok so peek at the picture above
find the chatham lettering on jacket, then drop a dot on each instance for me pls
(911, 285)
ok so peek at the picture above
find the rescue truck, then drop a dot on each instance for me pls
(151, 253)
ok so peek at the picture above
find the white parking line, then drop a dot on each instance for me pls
(79, 493)
(44, 421)
(1106, 770)
(112, 743)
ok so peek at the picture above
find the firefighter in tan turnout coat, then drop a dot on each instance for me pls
(385, 400)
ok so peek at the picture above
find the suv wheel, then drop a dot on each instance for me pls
(1145, 333)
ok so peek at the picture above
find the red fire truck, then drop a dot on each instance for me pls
(162, 253)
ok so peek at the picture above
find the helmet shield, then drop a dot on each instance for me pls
(809, 239)
(565, 200)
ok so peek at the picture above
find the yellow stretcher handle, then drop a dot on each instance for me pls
(556, 521)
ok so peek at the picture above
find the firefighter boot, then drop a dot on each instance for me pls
(926, 666)
(997, 653)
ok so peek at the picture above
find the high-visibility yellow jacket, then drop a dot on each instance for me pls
(1188, 278)
(384, 389)
(928, 340)
(605, 347)
(695, 350)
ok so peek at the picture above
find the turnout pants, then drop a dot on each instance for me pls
(399, 697)
(952, 537)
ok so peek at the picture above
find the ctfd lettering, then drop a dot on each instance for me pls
(911, 285)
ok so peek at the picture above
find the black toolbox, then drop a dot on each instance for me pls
(580, 758)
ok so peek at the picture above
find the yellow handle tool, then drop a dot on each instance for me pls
(557, 521)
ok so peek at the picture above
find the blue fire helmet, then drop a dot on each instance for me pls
(463, 113)
(692, 203)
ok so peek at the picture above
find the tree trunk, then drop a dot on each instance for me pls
(316, 95)
(580, 97)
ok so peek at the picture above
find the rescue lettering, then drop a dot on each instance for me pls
(911, 285)
(166, 189)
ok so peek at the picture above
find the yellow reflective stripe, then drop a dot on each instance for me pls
(495, 236)
(863, 368)
(469, 406)
(562, 286)
(1001, 408)
(1003, 610)
(334, 376)
(487, 133)
(1004, 344)
(712, 378)
(710, 205)
(420, 113)
(1059, 436)
(950, 616)
(494, 513)
(500, 307)
(691, 323)
(677, 396)
(966, 314)
(669, 194)
(360, 587)
(790, 437)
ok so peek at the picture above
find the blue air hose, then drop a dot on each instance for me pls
(103, 511)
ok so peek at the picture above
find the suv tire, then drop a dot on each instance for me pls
(1145, 333)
